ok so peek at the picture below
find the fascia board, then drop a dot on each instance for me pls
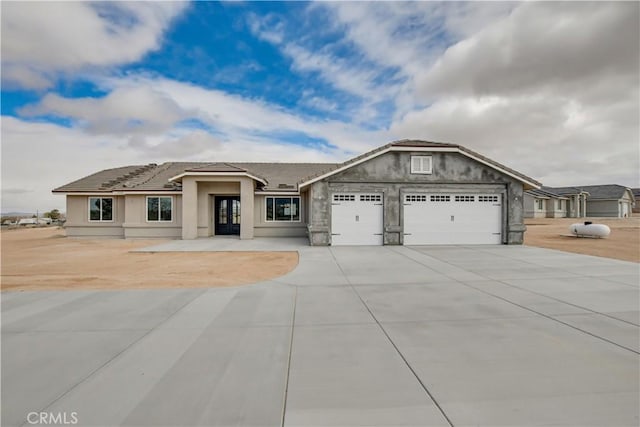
(182, 175)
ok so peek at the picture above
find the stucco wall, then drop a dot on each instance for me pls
(390, 174)
(137, 226)
(78, 224)
(206, 193)
(529, 206)
(264, 228)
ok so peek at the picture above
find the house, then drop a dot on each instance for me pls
(636, 195)
(576, 205)
(406, 192)
(545, 203)
(598, 200)
(609, 200)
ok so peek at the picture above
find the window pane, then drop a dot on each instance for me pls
(94, 209)
(295, 209)
(235, 209)
(152, 209)
(222, 212)
(269, 208)
(107, 209)
(165, 208)
(416, 164)
(283, 209)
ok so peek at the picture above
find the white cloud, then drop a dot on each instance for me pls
(541, 46)
(134, 110)
(40, 39)
(269, 28)
(551, 90)
(37, 157)
(237, 118)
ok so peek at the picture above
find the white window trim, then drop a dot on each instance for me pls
(422, 171)
(274, 204)
(113, 209)
(146, 209)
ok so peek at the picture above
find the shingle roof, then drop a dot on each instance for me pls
(545, 192)
(279, 176)
(602, 192)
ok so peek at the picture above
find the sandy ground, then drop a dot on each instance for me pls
(43, 259)
(623, 242)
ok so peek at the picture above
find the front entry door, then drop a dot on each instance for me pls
(227, 215)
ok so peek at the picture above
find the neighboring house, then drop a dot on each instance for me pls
(544, 203)
(636, 195)
(576, 204)
(601, 200)
(406, 192)
(609, 200)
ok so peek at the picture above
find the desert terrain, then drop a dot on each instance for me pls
(44, 259)
(623, 243)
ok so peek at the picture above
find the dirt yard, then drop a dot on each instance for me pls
(43, 259)
(623, 242)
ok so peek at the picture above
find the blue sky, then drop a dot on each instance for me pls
(550, 89)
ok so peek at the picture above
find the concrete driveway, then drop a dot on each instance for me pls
(354, 336)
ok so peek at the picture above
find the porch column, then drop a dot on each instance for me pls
(246, 208)
(584, 206)
(189, 208)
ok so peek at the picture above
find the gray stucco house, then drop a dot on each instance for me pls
(580, 201)
(545, 203)
(406, 192)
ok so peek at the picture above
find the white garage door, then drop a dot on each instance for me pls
(452, 219)
(356, 219)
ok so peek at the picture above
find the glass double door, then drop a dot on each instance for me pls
(227, 215)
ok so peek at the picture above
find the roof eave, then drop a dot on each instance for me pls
(178, 178)
(527, 182)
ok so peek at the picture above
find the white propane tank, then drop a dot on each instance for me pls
(588, 229)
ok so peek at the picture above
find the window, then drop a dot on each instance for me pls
(465, 198)
(283, 208)
(421, 164)
(370, 197)
(159, 209)
(100, 208)
(492, 199)
(540, 204)
(415, 198)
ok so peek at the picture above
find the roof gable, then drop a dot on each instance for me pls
(427, 146)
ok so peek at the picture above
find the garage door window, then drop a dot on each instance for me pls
(492, 199)
(283, 209)
(465, 199)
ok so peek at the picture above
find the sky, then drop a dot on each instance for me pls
(550, 89)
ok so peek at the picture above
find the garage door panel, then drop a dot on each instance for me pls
(442, 219)
(356, 219)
